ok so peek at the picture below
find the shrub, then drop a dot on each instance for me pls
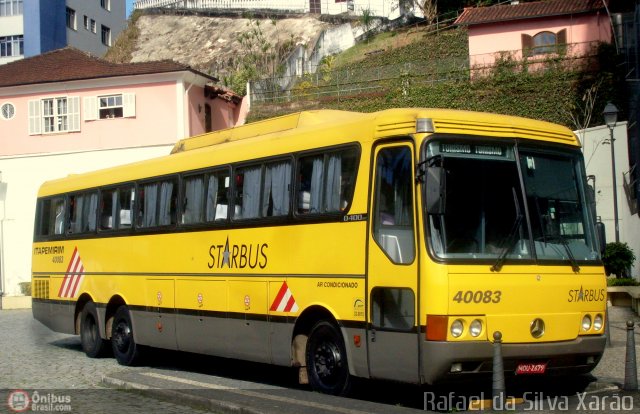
(623, 281)
(25, 288)
(618, 259)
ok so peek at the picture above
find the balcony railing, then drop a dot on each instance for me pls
(380, 8)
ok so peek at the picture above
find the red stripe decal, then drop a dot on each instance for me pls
(279, 296)
(290, 304)
(76, 282)
(73, 276)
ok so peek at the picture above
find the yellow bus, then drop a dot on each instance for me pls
(386, 245)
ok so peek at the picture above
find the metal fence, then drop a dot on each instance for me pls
(336, 84)
(390, 9)
(325, 84)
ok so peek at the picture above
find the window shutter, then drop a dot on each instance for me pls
(74, 113)
(35, 118)
(90, 108)
(129, 105)
(527, 45)
(561, 37)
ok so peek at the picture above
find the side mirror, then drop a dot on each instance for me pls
(435, 190)
(602, 236)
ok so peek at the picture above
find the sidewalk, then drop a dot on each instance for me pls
(611, 366)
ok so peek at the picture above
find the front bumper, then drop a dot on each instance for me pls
(476, 358)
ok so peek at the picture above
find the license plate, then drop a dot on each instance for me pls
(531, 368)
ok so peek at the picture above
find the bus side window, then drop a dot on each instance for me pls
(326, 182)
(158, 204)
(218, 196)
(126, 197)
(393, 204)
(108, 205)
(310, 182)
(277, 186)
(59, 214)
(51, 215)
(193, 201)
(83, 211)
(247, 201)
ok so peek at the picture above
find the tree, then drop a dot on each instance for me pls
(259, 56)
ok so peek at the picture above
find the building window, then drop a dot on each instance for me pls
(55, 115)
(7, 111)
(52, 115)
(122, 105)
(543, 43)
(71, 19)
(11, 46)
(106, 35)
(110, 106)
(93, 25)
(86, 22)
(10, 7)
(105, 4)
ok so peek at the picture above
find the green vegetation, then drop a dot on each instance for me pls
(125, 44)
(618, 259)
(25, 288)
(259, 55)
(431, 70)
(627, 281)
(404, 46)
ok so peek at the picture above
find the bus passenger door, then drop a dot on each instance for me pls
(393, 266)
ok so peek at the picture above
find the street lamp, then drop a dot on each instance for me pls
(610, 114)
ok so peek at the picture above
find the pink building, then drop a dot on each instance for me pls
(535, 30)
(66, 112)
(67, 100)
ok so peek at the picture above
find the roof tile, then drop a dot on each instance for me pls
(69, 64)
(537, 9)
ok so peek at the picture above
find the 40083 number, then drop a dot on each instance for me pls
(478, 296)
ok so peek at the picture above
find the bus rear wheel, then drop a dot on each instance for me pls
(326, 356)
(125, 349)
(92, 344)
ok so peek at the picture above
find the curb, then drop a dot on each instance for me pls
(177, 397)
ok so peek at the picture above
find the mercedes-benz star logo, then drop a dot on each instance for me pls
(537, 328)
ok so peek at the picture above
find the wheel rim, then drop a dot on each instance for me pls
(328, 362)
(122, 336)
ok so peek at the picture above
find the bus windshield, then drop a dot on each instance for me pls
(501, 204)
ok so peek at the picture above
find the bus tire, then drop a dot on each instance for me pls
(326, 356)
(125, 349)
(92, 344)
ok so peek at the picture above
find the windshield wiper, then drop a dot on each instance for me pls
(563, 242)
(511, 239)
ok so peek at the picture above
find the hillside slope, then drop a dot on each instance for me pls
(209, 44)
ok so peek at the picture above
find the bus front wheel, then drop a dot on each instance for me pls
(92, 344)
(125, 349)
(327, 366)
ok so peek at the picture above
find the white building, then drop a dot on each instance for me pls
(596, 148)
(31, 27)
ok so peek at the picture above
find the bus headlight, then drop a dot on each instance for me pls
(597, 322)
(475, 329)
(457, 327)
(586, 322)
